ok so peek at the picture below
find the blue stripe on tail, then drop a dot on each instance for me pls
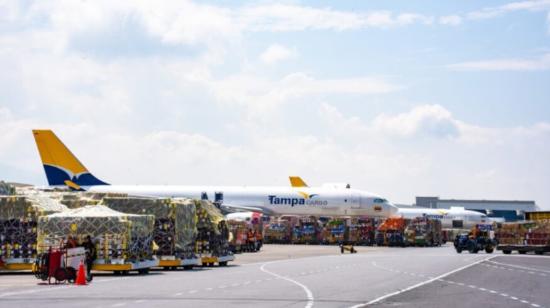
(57, 176)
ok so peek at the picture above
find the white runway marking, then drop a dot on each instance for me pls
(55, 287)
(374, 301)
(309, 294)
(521, 267)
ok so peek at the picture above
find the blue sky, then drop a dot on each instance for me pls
(402, 98)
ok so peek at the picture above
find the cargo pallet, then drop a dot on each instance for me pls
(523, 249)
(221, 261)
(173, 263)
(119, 266)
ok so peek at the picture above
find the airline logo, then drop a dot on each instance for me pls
(442, 215)
(306, 199)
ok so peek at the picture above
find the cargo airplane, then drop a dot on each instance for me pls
(63, 169)
(455, 217)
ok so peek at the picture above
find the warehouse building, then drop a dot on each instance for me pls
(510, 210)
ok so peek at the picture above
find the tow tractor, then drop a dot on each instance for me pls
(61, 264)
(481, 237)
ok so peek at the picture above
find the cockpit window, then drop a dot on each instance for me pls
(379, 200)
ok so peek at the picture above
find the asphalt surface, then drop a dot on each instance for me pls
(312, 276)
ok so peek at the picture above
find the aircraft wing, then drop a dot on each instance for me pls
(232, 207)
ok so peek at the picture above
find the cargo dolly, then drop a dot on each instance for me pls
(523, 249)
(60, 264)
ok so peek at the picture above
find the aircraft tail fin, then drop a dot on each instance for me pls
(60, 165)
(296, 181)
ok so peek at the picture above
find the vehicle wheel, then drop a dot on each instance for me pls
(459, 250)
(143, 271)
(60, 275)
(188, 267)
(223, 263)
(489, 249)
(71, 274)
(522, 252)
(539, 252)
(506, 252)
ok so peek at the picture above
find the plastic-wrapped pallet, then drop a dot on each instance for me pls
(18, 221)
(119, 236)
(175, 222)
(212, 231)
(6, 189)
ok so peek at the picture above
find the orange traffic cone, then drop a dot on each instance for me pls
(81, 275)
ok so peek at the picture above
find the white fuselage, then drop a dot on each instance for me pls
(467, 218)
(316, 201)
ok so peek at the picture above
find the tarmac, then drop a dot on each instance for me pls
(311, 276)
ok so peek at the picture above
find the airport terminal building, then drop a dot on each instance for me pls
(510, 210)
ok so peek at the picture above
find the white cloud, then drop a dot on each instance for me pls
(276, 53)
(283, 17)
(533, 6)
(432, 120)
(263, 94)
(543, 63)
(450, 20)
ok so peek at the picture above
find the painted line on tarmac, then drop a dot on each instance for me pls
(381, 298)
(54, 288)
(309, 294)
(520, 267)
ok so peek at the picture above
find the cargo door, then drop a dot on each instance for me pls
(354, 201)
(458, 224)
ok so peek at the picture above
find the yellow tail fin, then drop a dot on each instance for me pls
(296, 181)
(59, 163)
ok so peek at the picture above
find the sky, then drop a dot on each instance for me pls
(400, 98)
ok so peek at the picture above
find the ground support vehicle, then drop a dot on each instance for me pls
(172, 262)
(333, 232)
(524, 237)
(238, 238)
(277, 233)
(391, 232)
(523, 249)
(481, 237)
(121, 266)
(209, 260)
(60, 264)
(361, 231)
(423, 231)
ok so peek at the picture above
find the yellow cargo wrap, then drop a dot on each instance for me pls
(537, 215)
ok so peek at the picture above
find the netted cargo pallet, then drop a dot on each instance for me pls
(18, 227)
(175, 224)
(212, 231)
(119, 237)
(361, 231)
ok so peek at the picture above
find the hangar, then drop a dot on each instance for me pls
(510, 210)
